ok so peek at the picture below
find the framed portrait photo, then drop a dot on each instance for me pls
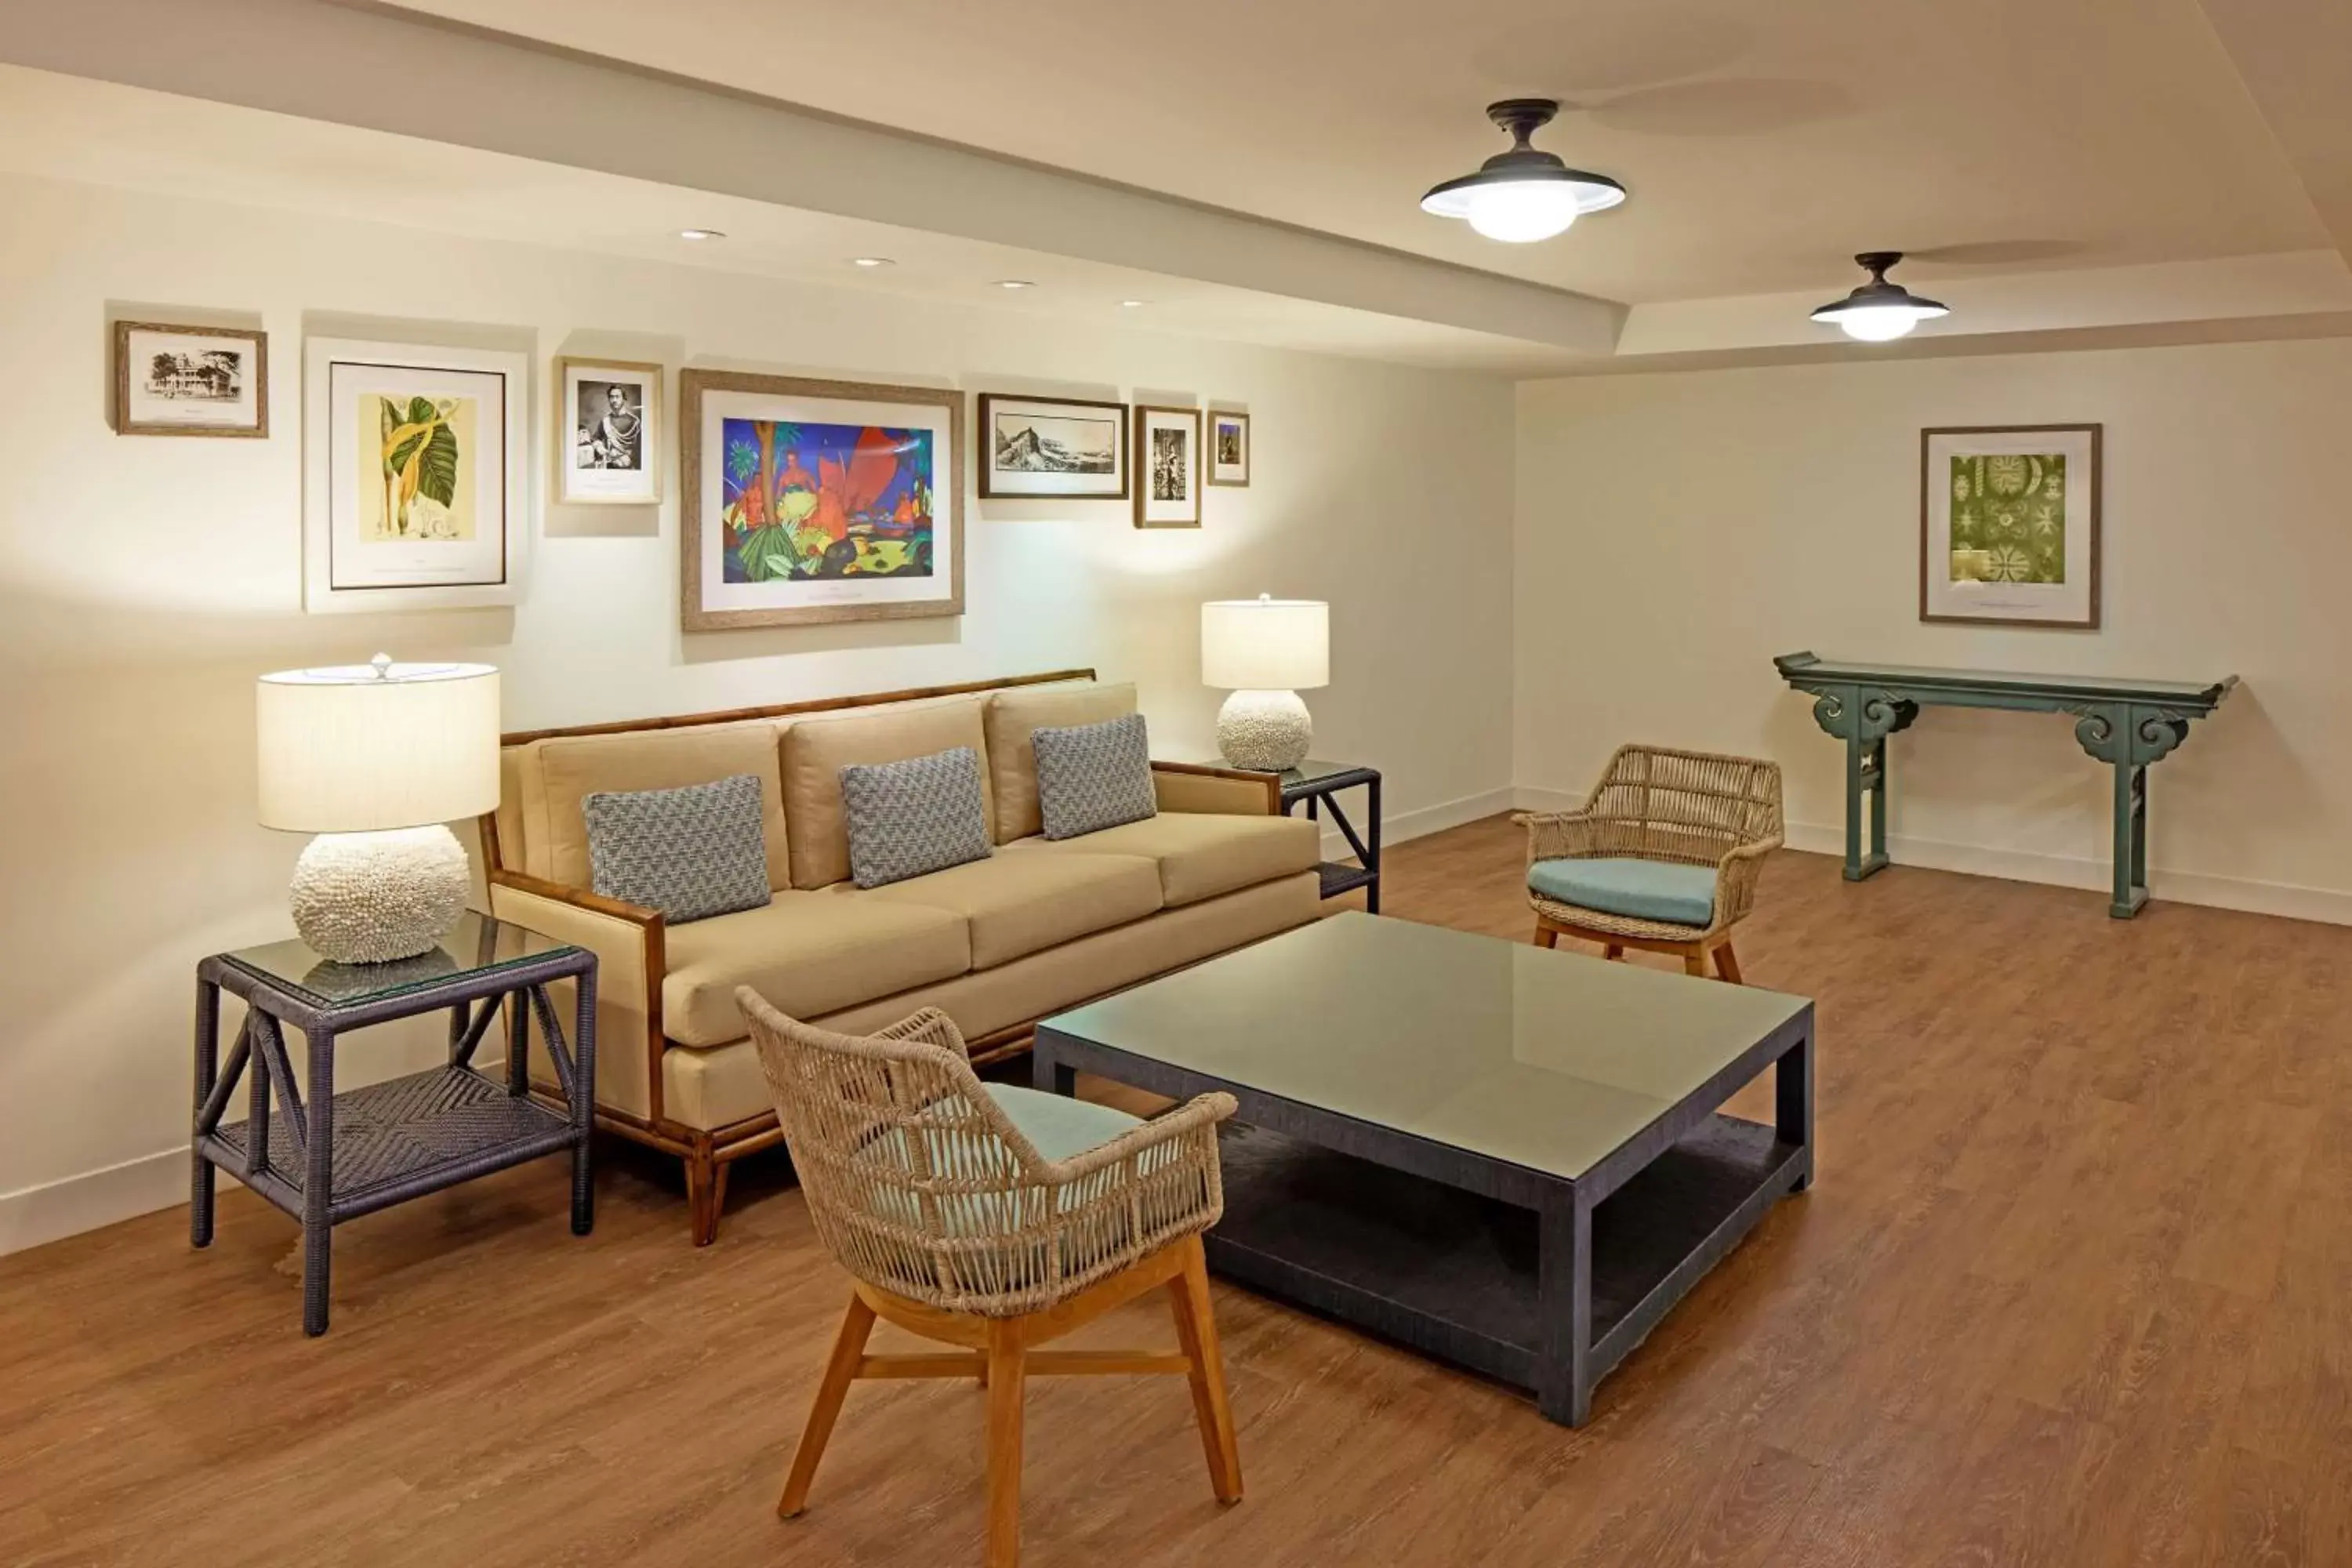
(416, 478)
(608, 432)
(1052, 446)
(1229, 448)
(808, 501)
(1167, 449)
(2008, 525)
(190, 380)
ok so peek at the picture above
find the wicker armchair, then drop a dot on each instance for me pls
(1658, 809)
(994, 1220)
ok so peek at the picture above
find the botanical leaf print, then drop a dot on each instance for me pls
(2009, 518)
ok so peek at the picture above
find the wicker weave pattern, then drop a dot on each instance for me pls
(920, 1185)
(1691, 807)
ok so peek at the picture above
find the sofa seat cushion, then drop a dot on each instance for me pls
(1637, 889)
(809, 954)
(1200, 854)
(1018, 904)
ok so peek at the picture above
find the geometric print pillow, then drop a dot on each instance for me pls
(1093, 776)
(690, 853)
(910, 818)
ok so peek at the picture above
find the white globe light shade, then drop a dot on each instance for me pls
(1520, 212)
(1881, 323)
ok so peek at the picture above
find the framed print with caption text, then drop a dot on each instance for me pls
(608, 432)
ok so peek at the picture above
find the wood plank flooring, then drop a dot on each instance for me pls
(2075, 1286)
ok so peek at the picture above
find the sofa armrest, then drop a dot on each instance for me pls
(629, 941)
(1185, 787)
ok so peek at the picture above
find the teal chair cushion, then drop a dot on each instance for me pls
(1057, 1126)
(1637, 889)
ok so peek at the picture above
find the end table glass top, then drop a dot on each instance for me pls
(476, 944)
(1306, 772)
(1549, 1060)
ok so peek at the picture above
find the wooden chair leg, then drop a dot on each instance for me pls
(1196, 1332)
(1612, 950)
(1726, 963)
(1007, 1373)
(1695, 961)
(840, 1369)
(1546, 936)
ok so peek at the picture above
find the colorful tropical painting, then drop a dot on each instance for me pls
(2009, 518)
(423, 487)
(803, 502)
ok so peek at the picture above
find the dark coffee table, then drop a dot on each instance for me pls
(1506, 1157)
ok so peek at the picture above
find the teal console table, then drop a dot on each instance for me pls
(2129, 724)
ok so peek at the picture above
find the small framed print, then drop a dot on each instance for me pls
(2008, 525)
(608, 432)
(1229, 448)
(1064, 448)
(414, 475)
(1168, 448)
(190, 380)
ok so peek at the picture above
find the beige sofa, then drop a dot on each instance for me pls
(1037, 927)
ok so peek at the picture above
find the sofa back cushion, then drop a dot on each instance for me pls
(1011, 757)
(574, 766)
(690, 852)
(816, 750)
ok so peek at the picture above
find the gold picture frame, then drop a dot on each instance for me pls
(1168, 470)
(211, 391)
(850, 503)
(1229, 428)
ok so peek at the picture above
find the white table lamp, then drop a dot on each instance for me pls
(376, 759)
(1266, 651)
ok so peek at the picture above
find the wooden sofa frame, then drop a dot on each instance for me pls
(708, 1153)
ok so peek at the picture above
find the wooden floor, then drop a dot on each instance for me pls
(2074, 1285)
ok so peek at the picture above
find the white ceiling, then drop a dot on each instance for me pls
(1764, 141)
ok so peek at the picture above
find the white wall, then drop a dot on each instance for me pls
(144, 581)
(1674, 532)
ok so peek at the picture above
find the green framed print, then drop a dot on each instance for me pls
(2008, 525)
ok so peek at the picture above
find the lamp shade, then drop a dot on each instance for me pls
(361, 748)
(1266, 643)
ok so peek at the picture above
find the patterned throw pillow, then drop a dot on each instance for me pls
(1093, 776)
(690, 853)
(908, 818)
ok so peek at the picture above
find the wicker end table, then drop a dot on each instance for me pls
(329, 1156)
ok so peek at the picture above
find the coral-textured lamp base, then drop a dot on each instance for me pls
(368, 897)
(1264, 732)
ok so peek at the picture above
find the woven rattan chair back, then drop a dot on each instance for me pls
(1693, 807)
(919, 1184)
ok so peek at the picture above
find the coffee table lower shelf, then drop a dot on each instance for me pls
(1458, 1276)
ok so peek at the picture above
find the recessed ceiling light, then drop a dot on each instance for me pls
(1133, 304)
(1523, 194)
(871, 262)
(1014, 283)
(1880, 311)
(700, 234)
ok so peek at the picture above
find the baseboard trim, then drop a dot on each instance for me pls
(1409, 825)
(2285, 900)
(33, 1216)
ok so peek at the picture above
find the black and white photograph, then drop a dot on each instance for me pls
(1229, 448)
(190, 380)
(608, 447)
(1073, 449)
(1170, 441)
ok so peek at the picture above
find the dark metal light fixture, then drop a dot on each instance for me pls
(1523, 194)
(1880, 311)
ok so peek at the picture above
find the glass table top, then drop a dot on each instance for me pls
(476, 944)
(1306, 772)
(1549, 1060)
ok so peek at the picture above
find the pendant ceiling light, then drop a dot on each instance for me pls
(1880, 311)
(1523, 194)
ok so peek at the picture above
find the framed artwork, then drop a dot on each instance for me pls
(608, 431)
(190, 380)
(817, 500)
(1168, 445)
(415, 476)
(2008, 525)
(1059, 447)
(1229, 448)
